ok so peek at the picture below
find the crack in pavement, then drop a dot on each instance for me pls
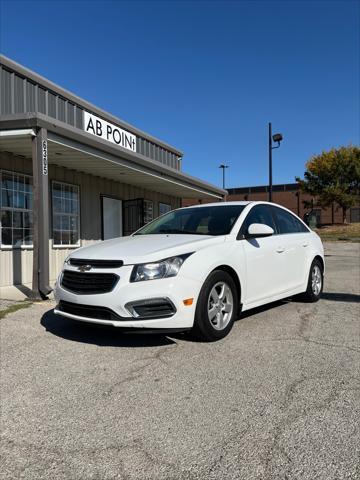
(307, 340)
(290, 394)
(236, 438)
(137, 372)
(137, 446)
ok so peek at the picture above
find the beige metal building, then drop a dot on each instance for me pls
(72, 174)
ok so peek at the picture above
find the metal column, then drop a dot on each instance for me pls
(40, 286)
(270, 164)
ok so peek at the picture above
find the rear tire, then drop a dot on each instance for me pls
(315, 283)
(216, 308)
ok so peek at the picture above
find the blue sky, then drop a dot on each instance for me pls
(205, 76)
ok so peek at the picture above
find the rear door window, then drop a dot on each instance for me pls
(300, 226)
(287, 223)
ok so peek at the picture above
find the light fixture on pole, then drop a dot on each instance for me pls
(223, 166)
(277, 137)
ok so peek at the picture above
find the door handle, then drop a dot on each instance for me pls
(305, 244)
(280, 249)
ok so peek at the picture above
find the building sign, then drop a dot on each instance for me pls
(44, 157)
(108, 131)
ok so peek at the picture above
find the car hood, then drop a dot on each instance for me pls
(146, 248)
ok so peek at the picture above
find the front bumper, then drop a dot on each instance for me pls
(176, 289)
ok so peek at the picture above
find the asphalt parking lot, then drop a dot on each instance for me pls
(278, 399)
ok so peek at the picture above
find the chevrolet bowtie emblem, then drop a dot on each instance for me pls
(84, 268)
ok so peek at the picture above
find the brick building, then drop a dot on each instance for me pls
(290, 196)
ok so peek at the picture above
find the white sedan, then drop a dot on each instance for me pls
(194, 268)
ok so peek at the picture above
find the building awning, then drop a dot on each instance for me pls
(87, 158)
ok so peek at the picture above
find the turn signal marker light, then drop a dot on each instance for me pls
(188, 301)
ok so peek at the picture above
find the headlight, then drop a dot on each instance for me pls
(152, 271)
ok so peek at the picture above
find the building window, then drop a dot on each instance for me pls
(355, 215)
(65, 214)
(164, 208)
(16, 218)
(316, 213)
(148, 211)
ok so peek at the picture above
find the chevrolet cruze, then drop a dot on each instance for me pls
(194, 268)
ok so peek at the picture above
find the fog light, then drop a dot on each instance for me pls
(151, 308)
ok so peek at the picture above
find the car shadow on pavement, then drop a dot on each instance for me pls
(264, 308)
(103, 336)
(341, 297)
(248, 313)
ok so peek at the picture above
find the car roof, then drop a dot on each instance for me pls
(242, 202)
(219, 204)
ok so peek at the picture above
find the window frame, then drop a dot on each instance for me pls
(29, 246)
(163, 203)
(146, 200)
(72, 245)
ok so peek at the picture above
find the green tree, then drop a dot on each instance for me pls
(334, 176)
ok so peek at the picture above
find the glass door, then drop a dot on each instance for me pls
(111, 218)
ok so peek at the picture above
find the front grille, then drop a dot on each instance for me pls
(88, 283)
(89, 311)
(151, 308)
(79, 262)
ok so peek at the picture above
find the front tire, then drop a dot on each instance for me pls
(216, 308)
(315, 282)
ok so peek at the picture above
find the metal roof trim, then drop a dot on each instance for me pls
(26, 72)
(10, 122)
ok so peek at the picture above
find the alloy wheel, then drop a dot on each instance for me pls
(316, 280)
(220, 305)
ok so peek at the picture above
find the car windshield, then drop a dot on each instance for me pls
(214, 220)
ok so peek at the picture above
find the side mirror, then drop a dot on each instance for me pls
(258, 230)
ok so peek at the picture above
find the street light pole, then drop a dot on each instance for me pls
(276, 138)
(270, 164)
(223, 166)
